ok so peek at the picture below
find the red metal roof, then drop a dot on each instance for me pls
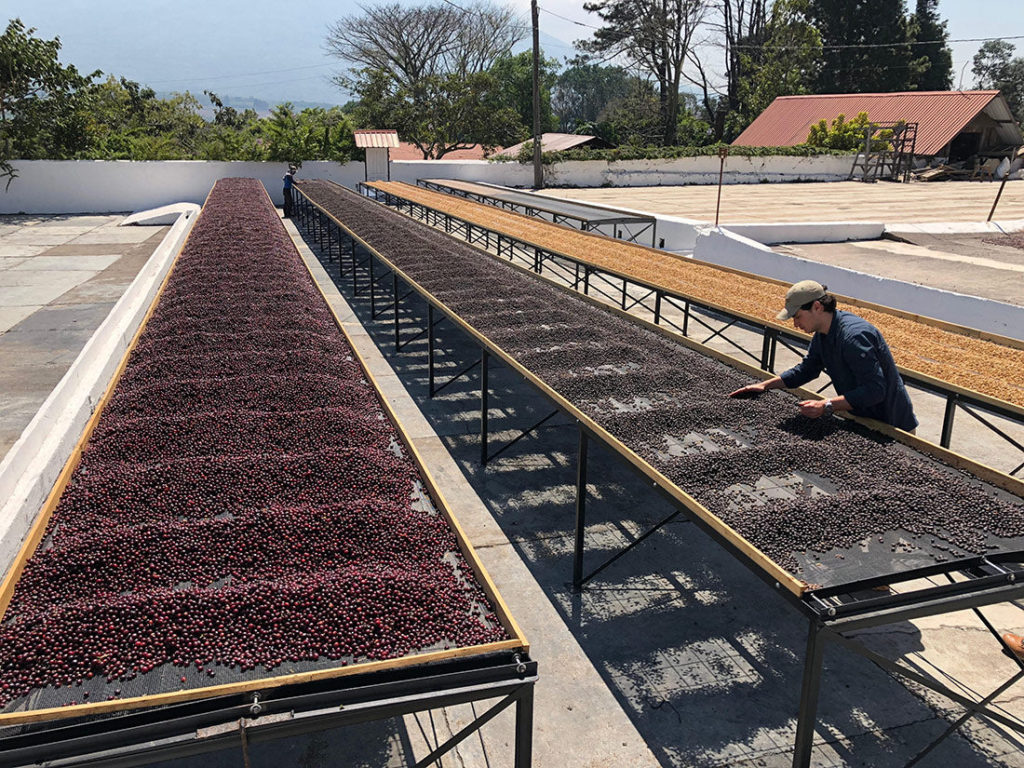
(940, 116)
(406, 150)
(374, 138)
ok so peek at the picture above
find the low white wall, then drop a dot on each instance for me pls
(98, 186)
(32, 465)
(696, 170)
(728, 249)
(809, 232)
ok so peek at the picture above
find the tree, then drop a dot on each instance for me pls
(995, 68)
(654, 35)
(513, 76)
(931, 36)
(584, 90)
(126, 121)
(410, 44)
(866, 46)
(312, 134)
(786, 64)
(744, 26)
(40, 99)
(425, 71)
(635, 119)
(444, 114)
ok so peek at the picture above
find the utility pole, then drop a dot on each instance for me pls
(538, 169)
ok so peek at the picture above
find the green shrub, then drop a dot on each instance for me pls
(842, 135)
(665, 153)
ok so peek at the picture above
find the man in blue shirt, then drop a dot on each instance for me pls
(289, 182)
(851, 351)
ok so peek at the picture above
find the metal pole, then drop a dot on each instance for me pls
(946, 437)
(524, 727)
(581, 509)
(394, 288)
(373, 290)
(723, 152)
(430, 349)
(355, 283)
(484, 357)
(1000, 192)
(538, 169)
(809, 689)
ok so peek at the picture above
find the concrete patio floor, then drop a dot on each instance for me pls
(59, 278)
(952, 201)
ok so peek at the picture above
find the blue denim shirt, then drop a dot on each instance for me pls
(854, 354)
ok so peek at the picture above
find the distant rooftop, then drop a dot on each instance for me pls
(940, 116)
(557, 142)
(376, 138)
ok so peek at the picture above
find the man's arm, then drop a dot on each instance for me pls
(752, 390)
(804, 371)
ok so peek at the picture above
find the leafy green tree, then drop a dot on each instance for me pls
(41, 100)
(513, 76)
(425, 71)
(232, 135)
(312, 134)
(126, 121)
(583, 91)
(655, 36)
(786, 64)
(866, 46)
(994, 67)
(932, 38)
(442, 113)
(636, 120)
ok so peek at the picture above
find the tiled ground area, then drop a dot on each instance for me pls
(831, 201)
(59, 278)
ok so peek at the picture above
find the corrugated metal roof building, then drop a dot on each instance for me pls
(961, 123)
(557, 142)
(367, 138)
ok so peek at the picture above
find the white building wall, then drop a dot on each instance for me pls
(98, 186)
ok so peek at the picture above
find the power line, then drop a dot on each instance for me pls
(566, 18)
(882, 45)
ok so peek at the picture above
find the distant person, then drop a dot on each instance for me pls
(848, 348)
(289, 181)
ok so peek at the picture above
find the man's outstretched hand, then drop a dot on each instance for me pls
(751, 390)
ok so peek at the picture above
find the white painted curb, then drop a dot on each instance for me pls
(31, 467)
(727, 249)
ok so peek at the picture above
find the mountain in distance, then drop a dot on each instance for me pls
(242, 103)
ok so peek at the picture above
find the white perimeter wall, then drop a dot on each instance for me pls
(98, 186)
(719, 246)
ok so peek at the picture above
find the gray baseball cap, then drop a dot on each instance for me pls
(801, 293)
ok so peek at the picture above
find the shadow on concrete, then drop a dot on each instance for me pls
(704, 656)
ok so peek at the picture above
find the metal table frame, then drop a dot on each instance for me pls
(208, 725)
(610, 223)
(616, 287)
(831, 612)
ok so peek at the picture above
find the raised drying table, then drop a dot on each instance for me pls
(245, 506)
(973, 371)
(588, 217)
(820, 510)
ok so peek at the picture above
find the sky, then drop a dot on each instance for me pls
(274, 51)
